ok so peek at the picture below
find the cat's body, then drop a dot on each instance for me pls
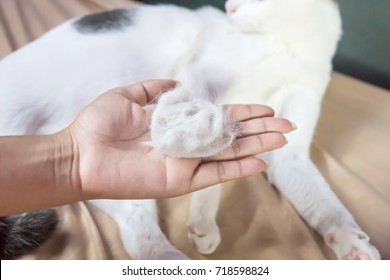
(271, 52)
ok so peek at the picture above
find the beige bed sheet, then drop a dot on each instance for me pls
(350, 147)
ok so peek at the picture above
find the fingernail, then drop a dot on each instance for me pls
(177, 84)
(293, 126)
(267, 164)
(286, 140)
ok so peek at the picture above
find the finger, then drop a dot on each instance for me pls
(145, 92)
(242, 112)
(262, 125)
(250, 146)
(217, 172)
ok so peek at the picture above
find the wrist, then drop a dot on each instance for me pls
(38, 172)
(66, 164)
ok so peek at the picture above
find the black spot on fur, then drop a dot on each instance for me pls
(20, 234)
(103, 22)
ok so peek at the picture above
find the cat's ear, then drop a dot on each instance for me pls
(230, 7)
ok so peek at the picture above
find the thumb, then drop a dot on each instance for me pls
(146, 91)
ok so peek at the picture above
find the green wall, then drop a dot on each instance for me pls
(364, 51)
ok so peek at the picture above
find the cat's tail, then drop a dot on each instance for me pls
(20, 234)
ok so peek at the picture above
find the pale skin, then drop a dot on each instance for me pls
(102, 154)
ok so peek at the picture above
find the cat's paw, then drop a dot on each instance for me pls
(204, 236)
(351, 244)
(185, 127)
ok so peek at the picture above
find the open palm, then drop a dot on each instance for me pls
(114, 161)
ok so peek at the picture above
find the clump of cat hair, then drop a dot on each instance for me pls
(190, 127)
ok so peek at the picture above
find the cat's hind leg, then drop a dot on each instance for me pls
(140, 230)
(299, 180)
(296, 176)
(202, 228)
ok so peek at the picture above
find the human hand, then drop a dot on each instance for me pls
(111, 160)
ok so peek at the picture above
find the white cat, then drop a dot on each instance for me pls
(274, 52)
